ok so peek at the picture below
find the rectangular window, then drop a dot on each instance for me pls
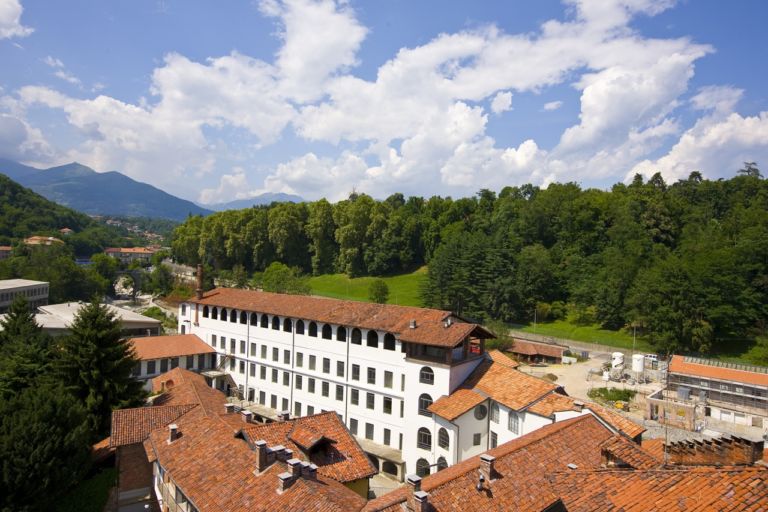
(400, 442)
(355, 372)
(284, 405)
(223, 342)
(273, 401)
(369, 431)
(213, 340)
(150, 367)
(262, 398)
(232, 344)
(325, 388)
(286, 356)
(252, 370)
(297, 409)
(339, 368)
(310, 410)
(183, 309)
(253, 350)
(513, 423)
(274, 375)
(388, 380)
(494, 412)
(371, 375)
(263, 373)
(353, 426)
(339, 393)
(275, 353)
(232, 364)
(354, 396)
(494, 440)
(190, 362)
(263, 351)
(242, 367)
(402, 382)
(299, 359)
(326, 365)
(311, 387)
(402, 407)
(387, 405)
(299, 381)
(242, 346)
(312, 362)
(286, 379)
(387, 436)
(476, 438)
(370, 400)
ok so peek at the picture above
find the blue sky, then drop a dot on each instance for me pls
(215, 101)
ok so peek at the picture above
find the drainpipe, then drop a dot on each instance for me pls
(293, 363)
(347, 369)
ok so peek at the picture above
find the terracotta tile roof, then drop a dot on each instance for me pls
(182, 387)
(521, 466)
(531, 348)
(215, 469)
(654, 448)
(702, 488)
(5, 248)
(130, 250)
(552, 403)
(431, 328)
(156, 347)
(616, 420)
(687, 366)
(102, 450)
(500, 357)
(339, 456)
(131, 426)
(457, 403)
(629, 453)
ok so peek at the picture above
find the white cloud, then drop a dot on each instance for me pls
(53, 62)
(61, 71)
(231, 186)
(10, 20)
(19, 141)
(502, 102)
(333, 179)
(553, 105)
(721, 99)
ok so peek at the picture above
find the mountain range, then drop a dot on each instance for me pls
(266, 198)
(112, 193)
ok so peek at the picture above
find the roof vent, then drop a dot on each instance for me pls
(480, 482)
(413, 324)
(173, 432)
(572, 466)
(447, 323)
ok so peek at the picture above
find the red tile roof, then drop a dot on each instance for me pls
(457, 403)
(131, 426)
(531, 348)
(629, 453)
(552, 403)
(157, 347)
(521, 467)
(431, 326)
(678, 489)
(717, 370)
(130, 250)
(616, 420)
(500, 357)
(5, 248)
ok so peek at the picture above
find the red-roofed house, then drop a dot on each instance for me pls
(158, 354)
(128, 255)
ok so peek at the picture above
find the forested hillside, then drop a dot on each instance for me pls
(687, 263)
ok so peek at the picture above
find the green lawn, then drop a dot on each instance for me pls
(89, 495)
(587, 333)
(403, 289)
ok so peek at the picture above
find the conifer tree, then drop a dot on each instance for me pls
(96, 363)
(24, 350)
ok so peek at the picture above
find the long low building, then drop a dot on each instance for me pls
(159, 354)
(35, 292)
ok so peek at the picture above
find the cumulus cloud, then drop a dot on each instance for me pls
(553, 105)
(502, 102)
(720, 98)
(10, 20)
(19, 141)
(231, 186)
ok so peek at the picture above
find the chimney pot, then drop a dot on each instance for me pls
(285, 480)
(173, 432)
(421, 501)
(247, 416)
(312, 472)
(279, 452)
(284, 416)
(414, 482)
(229, 408)
(305, 469)
(295, 465)
(262, 460)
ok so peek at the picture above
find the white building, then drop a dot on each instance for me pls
(36, 292)
(380, 367)
(159, 354)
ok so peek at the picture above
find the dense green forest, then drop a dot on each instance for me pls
(686, 263)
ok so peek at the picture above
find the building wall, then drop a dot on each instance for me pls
(36, 295)
(195, 362)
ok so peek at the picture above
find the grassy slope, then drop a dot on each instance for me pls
(586, 333)
(403, 289)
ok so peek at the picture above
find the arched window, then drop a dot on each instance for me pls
(422, 467)
(264, 320)
(276, 323)
(424, 439)
(494, 412)
(223, 314)
(426, 375)
(441, 464)
(389, 468)
(372, 339)
(327, 332)
(389, 342)
(313, 329)
(357, 336)
(424, 402)
(287, 325)
(254, 319)
(442, 438)
(243, 317)
(215, 313)
(299, 326)
(341, 333)
(205, 312)
(233, 316)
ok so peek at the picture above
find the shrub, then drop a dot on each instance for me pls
(611, 394)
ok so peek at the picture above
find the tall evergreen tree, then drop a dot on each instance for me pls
(24, 350)
(96, 363)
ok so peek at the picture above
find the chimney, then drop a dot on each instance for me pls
(579, 405)
(487, 467)
(413, 482)
(420, 501)
(229, 408)
(247, 416)
(295, 465)
(279, 452)
(199, 289)
(413, 324)
(284, 482)
(284, 416)
(305, 469)
(173, 432)
(262, 460)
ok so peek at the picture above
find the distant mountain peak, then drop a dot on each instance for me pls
(261, 199)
